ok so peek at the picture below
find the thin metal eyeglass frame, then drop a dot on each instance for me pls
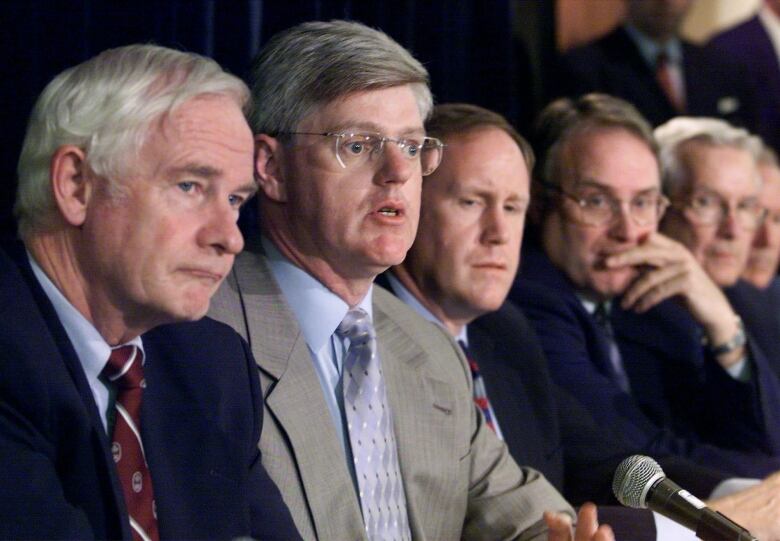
(437, 143)
(661, 206)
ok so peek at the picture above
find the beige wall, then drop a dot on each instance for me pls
(708, 16)
(579, 21)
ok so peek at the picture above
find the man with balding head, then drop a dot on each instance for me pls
(622, 309)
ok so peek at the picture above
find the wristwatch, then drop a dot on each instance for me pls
(737, 341)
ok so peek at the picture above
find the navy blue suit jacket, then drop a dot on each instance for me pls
(547, 429)
(711, 408)
(760, 311)
(613, 65)
(749, 45)
(200, 422)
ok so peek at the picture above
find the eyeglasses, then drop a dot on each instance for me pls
(354, 150)
(706, 208)
(599, 208)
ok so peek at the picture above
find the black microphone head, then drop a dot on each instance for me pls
(633, 479)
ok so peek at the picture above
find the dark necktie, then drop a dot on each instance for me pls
(480, 391)
(125, 371)
(663, 74)
(371, 433)
(601, 315)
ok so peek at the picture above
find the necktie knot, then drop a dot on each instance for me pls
(357, 327)
(125, 367)
(601, 315)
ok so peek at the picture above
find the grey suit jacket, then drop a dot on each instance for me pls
(459, 479)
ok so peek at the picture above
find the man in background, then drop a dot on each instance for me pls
(458, 273)
(113, 423)
(725, 190)
(596, 257)
(755, 46)
(371, 432)
(646, 62)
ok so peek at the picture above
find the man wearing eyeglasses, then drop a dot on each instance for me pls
(759, 305)
(371, 430)
(630, 321)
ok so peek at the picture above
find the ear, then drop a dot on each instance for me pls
(71, 188)
(268, 168)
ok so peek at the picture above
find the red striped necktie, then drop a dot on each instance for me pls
(125, 370)
(480, 391)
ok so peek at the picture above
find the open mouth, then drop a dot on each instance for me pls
(389, 211)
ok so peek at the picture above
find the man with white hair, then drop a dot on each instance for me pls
(710, 176)
(116, 422)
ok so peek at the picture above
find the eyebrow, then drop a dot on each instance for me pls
(210, 173)
(198, 170)
(375, 128)
(596, 184)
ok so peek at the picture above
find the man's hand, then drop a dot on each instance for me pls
(756, 508)
(588, 529)
(670, 270)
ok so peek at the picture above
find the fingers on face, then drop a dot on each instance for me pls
(655, 285)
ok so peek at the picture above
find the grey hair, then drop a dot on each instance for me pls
(768, 156)
(564, 119)
(316, 62)
(105, 106)
(673, 138)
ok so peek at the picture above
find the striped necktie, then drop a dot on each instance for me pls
(480, 391)
(125, 370)
(371, 434)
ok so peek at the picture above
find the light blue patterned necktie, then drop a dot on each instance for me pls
(371, 433)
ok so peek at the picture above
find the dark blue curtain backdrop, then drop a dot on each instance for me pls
(472, 48)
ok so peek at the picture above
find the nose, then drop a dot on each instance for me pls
(395, 167)
(221, 230)
(728, 225)
(495, 226)
(623, 227)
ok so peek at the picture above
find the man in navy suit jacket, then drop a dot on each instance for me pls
(133, 169)
(458, 273)
(752, 45)
(623, 64)
(597, 203)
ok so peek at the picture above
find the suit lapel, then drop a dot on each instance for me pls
(422, 407)
(76, 372)
(295, 399)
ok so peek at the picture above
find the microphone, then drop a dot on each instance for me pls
(641, 483)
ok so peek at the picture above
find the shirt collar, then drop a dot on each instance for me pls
(317, 309)
(650, 49)
(410, 300)
(91, 348)
(590, 306)
(771, 23)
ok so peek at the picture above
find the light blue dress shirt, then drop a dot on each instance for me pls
(411, 301)
(92, 350)
(319, 312)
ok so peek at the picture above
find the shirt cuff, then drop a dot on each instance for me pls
(668, 530)
(732, 485)
(740, 371)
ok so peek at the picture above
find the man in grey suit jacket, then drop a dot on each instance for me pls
(340, 155)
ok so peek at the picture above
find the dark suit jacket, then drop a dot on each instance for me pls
(613, 65)
(749, 45)
(657, 361)
(760, 312)
(201, 418)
